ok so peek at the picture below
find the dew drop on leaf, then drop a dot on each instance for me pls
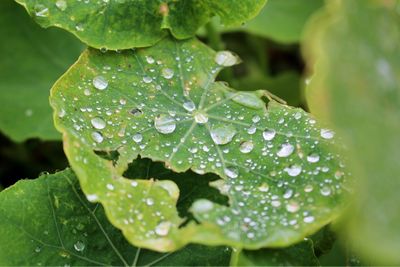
(98, 123)
(308, 219)
(249, 100)
(327, 134)
(313, 157)
(162, 229)
(167, 73)
(294, 170)
(164, 124)
(189, 105)
(268, 135)
(246, 147)
(226, 58)
(264, 187)
(231, 172)
(222, 134)
(292, 206)
(61, 5)
(147, 79)
(285, 151)
(99, 82)
(325, 191)
(79, 246)
(201, 117)
(41, 11)
(97, 137)
(138, 137)
(202, 206)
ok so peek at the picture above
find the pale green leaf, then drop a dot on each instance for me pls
(121, 24)
(31, 61)
(49, 222)
(356, 86)
(277, 165)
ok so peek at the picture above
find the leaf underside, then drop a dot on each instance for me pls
(119, 24)
(49, 222)
(277, 166)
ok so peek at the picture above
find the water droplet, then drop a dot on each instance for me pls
(312, 158)
(288, 194)
(99, 82)
(308, 219)
(292, 206)
(162, 228)
(92, 197)
(164, 124)
(138, 137)
(246, 146)
(79, 246)
(97, 137)
(38, 249)
(150, 60)
(147, 79)
(285, 151)
(98, 123)
(62, 113)
(269, 134)
(327, 134)
(134, 183)
(231, 172)
(226, 58)
(264, 187)
(222, 134)
(189, 105)
(150, 202)
(61, 5)
(136, 112)
(249, 100)
(256, 118)
(308, 188)
(202, 206)
(294, 170)
(297, 115)
(325, 191)
(167, 73)
(79, 27)
(41, 11)
(200, 117)
(110, 186)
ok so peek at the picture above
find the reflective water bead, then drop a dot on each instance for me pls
(147, 79)
(167, 73)
(79, 246)
(162, 229)
(138, 137)
(325, 191)
(313, 157)
(294, 170)
(189, 105)
(285, 151)
(41, 11)
(61, 5)
(150, 60)
(201, 117)
(226, 58)
(309, 219)
(98, 123)
(327, 134)
(269, 134)
(222, 134)
(246, 147)
(97, 137)
(292, 206)
(231, 172)
(99, 82)
(164, 124)
(264, 187)
(202, 206)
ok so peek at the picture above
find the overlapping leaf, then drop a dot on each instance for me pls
(117, 24)
(49, 222)
(356, 86)
(31, 61)
(277, 166)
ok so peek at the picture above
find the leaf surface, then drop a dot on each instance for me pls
(49, 222)
(31, 61)
(119, 24)
(356, 86)
(276, 164)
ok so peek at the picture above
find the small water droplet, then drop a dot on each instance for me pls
(308, 219)
(223, 134)
(167, 73)
(246, 146)
(189, 105)
(97, 137)
(285, 151)
(200, 117)
(98, 123)
(164, 124)
(292, 206)
(150, 60)
(38, 249)
(138, 137)
(325, 191)
(149, 202)
(288, 194)
(110, 186)
(62, 113)
(313, 157)
(264, 187)
(147, 79)
(231, 172)
(41, 11)
(308, 188)
(202, 206)
(162, 229)
(226, 58)
(327, 134)
(61, 5)
(99, 82)
(79, 246)
(269, 134)
(294, 170)
(92, 197)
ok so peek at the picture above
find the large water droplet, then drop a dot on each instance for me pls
(325, 191)
(99, 82)
(189, 105)
(97, 137)
(61, 5)
(167, 73)
(162, 229)
(231, 172)
(313, 157)
(269, 134)
(138, 137)
(327, 134)
(200, 117)
(246, 146)
(285, 151)
(202, 206)
(222, 134)
(164, 124)
(79, 246)
(294, 170)
(226, 58)
(98, 123)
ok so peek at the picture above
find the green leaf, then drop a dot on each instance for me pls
(278, 169)
(125, 24)
(48, 221)
(301, 254)
(31, 61)
(356, 87)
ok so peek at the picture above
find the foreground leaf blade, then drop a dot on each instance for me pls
(277, 165)
(32, 60)
(127, 24)
(49, 222)
(356, 87)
